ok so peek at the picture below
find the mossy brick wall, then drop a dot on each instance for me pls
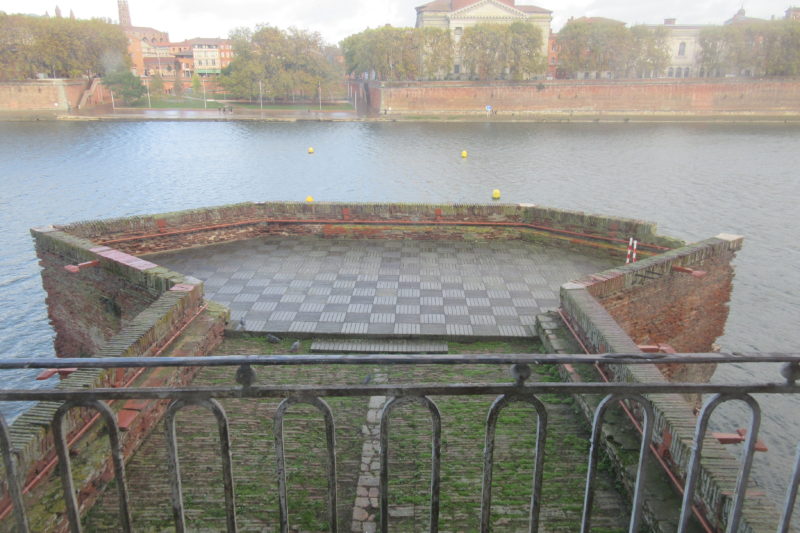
(655, 304)
(696, 96)
(170, 231)
(150, 331)
(123, 307)
(87, 308)
(584, 303)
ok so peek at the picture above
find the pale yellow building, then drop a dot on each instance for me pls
(457, 15)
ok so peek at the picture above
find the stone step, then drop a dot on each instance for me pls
(378, 346)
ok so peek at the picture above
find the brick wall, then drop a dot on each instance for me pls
(121, 307)
(89, 307)
(649, 301)
(654, 303)
(169, 231)
(697, 96)
(42, 95)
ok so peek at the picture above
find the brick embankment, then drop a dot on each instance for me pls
(462, 449)
(585, 98)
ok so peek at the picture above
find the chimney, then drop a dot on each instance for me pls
(669, 22)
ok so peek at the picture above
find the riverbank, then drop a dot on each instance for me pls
(201, 115)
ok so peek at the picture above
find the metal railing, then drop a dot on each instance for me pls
(520, 390)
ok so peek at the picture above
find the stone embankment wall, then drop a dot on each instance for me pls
(119, 307)
(42, 95)
(592, 97)
(653, 302)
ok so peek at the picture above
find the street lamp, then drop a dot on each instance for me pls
(205, 102)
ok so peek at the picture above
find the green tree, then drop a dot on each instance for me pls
(281, 64)
(127, 87)
(484, 50)
(649, 52)
(197, 85)
(493, 51)
(712, 50)
(752, 47)
(595, 45)
(59, 47)
(435, 48)
(525, 56)
(782, 48)
(157, 85)
(177, 87)
(389, 53)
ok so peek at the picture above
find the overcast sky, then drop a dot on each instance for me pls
(184, 19)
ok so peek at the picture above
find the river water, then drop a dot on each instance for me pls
(693, 180)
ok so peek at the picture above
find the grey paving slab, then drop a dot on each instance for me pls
(382, 346)
(386, 288)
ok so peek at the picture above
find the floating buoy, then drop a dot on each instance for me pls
(464, 154)
(310, 150)
(309, 199)
(496, 194)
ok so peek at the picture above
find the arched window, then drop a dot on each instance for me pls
(682, 49)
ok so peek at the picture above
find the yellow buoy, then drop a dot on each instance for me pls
(310, 150)
(309, 199)
(464, 154)
(496, 194)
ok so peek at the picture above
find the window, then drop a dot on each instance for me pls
(670, 72)
(682, 49)
(686, 72)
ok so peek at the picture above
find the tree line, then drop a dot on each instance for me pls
(279, 64)
(484, 51)
(755, 48)
(604, 45)
(32, 47)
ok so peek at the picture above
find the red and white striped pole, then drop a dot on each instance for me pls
(630, 249)
(635, 244)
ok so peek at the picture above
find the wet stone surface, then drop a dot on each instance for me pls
(384, 288)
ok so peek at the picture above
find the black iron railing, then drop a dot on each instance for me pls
(520, 390)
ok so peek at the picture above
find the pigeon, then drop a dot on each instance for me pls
(273, 339)
(241, 323)
(295, 347)
(367, 379)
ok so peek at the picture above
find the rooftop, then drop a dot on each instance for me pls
(308, 285)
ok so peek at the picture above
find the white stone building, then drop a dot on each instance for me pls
(457, 15)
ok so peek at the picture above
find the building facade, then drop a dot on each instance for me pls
(683, 43)
(457, 15)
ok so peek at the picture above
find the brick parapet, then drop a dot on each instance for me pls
(169, 231)
(153, 307)
(582, 303)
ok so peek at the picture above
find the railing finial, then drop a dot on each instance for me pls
(520, 372)
(245, 376)
(791, 371)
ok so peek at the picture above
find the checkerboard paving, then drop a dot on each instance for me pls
(385, 288)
